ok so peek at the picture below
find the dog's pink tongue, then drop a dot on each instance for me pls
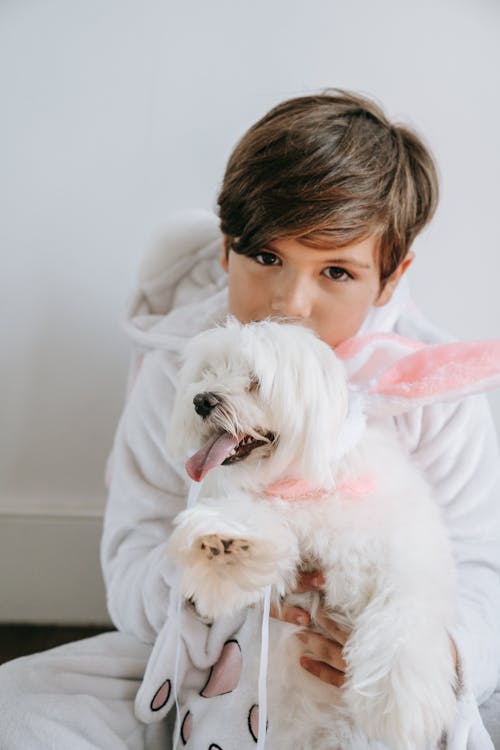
(212, 454)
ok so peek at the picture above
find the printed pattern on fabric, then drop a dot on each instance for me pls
(186, 727)
(218, 705)
(253, 721)
(225, 674)
(161, 696)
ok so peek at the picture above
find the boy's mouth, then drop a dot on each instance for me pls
(223, 448)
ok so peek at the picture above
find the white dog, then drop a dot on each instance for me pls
(296, 480)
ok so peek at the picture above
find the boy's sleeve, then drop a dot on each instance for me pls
(145, 494)
(456, 447)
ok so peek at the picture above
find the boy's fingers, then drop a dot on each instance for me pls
(294, 615)
(319, 648)
(310, 582)
(323, 671)
(331, 627)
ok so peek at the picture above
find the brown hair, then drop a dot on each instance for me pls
(328, 169)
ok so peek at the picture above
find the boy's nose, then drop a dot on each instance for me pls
(294, 299)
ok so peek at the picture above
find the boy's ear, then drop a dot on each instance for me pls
(393, 280)
(224, 253)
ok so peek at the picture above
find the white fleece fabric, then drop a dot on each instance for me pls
(454, 445)
(183, 291)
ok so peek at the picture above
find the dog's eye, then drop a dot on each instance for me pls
(253, 384)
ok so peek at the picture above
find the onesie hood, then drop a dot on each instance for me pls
(182, 288)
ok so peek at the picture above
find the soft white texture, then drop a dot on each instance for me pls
(454, 445)
(386, 556)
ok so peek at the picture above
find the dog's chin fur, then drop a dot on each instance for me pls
(386, 557)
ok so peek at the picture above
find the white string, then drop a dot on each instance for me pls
(264, 653)
(194, 491)
(176, 593)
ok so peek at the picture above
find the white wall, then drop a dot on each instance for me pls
(117, 112)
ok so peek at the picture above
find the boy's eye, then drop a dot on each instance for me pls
(335, 273)
(266, 259)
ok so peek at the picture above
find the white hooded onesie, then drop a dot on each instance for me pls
(81, 696)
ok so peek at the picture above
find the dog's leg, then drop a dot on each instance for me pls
(230, 552)
(400, 676)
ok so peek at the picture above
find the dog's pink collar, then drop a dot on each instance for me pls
(298, 489)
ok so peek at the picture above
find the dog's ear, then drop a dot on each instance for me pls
(396, 375)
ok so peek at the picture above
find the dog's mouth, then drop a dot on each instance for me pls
(245, 446)
(223, 449)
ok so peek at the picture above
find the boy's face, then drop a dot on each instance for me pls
(328, 290)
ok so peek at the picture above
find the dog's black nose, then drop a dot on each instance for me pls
(204, 403)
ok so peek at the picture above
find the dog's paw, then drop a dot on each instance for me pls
(227, 551)
(223, 573)
(226, 562)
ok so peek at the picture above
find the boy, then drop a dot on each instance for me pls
(319, 206)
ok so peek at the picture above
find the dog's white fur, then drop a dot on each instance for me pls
(386, 557)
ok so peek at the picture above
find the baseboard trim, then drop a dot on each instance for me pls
(43, 506)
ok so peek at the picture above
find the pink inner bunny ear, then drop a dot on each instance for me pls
(441, 371)
(365, 357)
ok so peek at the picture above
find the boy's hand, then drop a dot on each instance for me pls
(322, 656)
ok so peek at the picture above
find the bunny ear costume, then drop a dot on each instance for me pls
(82, 696)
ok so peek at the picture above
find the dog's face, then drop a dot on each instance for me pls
(265, 399)
(229, 415)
